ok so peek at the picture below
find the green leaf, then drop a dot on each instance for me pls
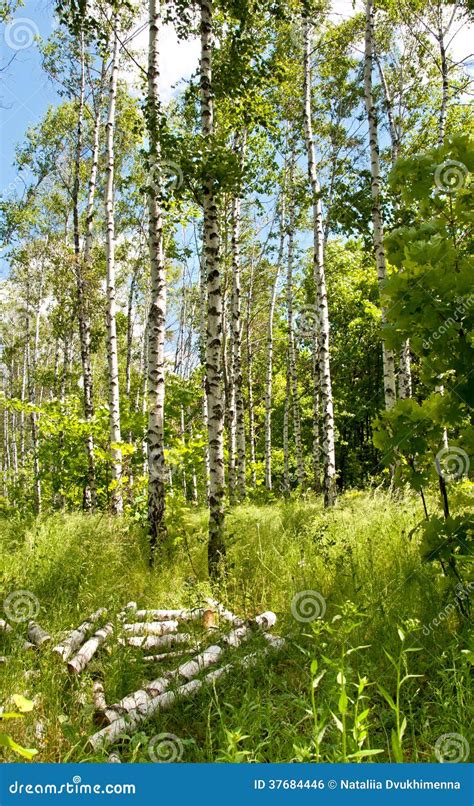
(23, 705)
(403, 728)
(363, 753)
(387, 697)
(396, 747)
(7, 741)
(363, 715)
(343, 702)
(318, 679)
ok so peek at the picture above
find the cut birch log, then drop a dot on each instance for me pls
(3, 659)
(128, 723)
(74, 640)
(26, 645)
(98, 699)
(114, 758)
(80, 661)
(140, 699)
(4, 626)
(164, 656)
(127, 611)
(224, 613)
(156, 641)
(209, 619)
(164, 615)
(265, 621)
(37, 635)
(151, 627)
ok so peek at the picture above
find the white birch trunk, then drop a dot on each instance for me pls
(5, 626)
(164, 656)
(444, 85)
(211, 258)
(157, 311)
(112, 353)
(300, 472)
(236, 331)
(74, 640)
(141, 699)
(322, 322)
(127, 724)
(269, 367)
(99, 701)
(202, 351)
(82, 311)
(151, 627)
(157, 641)
(79, 662)
(30, 372)
(165, 615)
(316, 423)
(37, 635)
(388, 359)
(404, 376)
(253, 476)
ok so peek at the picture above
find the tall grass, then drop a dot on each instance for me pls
(366, 578)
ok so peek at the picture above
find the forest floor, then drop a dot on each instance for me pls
(366, 576)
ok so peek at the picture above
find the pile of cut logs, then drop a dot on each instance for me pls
(156, 632)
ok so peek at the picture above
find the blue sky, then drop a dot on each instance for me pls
(25, 90)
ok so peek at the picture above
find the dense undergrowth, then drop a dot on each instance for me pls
(330, 695)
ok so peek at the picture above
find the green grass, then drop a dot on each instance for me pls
(358, 558)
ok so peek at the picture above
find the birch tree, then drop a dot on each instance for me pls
(82, 312)
(322, 318)
(269, 357)
(292, 371)
(213, 272)
(157, 312)
(236, 330)
(112, 352)
(388, 359)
